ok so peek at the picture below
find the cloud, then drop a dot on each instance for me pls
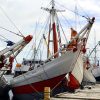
(25, 14)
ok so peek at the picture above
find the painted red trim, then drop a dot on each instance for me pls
(55, 41)
(73, 83)
(28, 38)
(38, 86)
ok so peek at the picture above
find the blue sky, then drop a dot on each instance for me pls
(25, 14)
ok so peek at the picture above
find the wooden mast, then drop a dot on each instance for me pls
(53, 26)
(48, 48)
(55, 41)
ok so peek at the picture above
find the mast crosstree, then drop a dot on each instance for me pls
(53, 26)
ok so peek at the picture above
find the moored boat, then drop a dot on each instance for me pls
(96, 73)
(51, 72)
(88, 76)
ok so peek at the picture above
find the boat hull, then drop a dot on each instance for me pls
(38, 86)
(30, 93)
(73, 83)
(88, 76)
(97, 79)
(96, 73)
(31, 96)
(76, 76)
(49, 74)
(59, 66)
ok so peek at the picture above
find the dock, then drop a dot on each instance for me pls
(88, 93)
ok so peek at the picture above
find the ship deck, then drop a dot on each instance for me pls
(88, 93)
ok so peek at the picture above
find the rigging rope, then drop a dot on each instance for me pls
(77, 17)
(9, 43)
(62, 30)
(65, 75)
(36, 38)
(69, 9)
(25, 77)
(70, 25)
(42, 37)
(74, 11)
(10, 31)
(46, 43)
(11, 20)
(4, 37)
(82, 9)
(34, 43)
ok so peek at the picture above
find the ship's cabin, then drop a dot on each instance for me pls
(27, 64)
(31, 62)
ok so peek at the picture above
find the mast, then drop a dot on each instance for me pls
(48, 53)
(55, 43)
(52, 26)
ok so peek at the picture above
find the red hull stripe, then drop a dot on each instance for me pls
(73, 83)
(38, 86)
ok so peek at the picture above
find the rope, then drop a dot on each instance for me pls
(63, 31)
(11, 20)
(69, 9)
(70, 25)
(34, 41)
(42, 37)
(82, 9)
(65, 75)
(76, 17)
(10, 31)
(4, 37)
(58, 83)
(36, 38)
(9, 43)
(25, 77)
(28, 52)
(46, 44)
(93, 49)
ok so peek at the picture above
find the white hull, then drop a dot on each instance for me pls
(88, 76)
(76, 76)
(78, 69)
(96, 71)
